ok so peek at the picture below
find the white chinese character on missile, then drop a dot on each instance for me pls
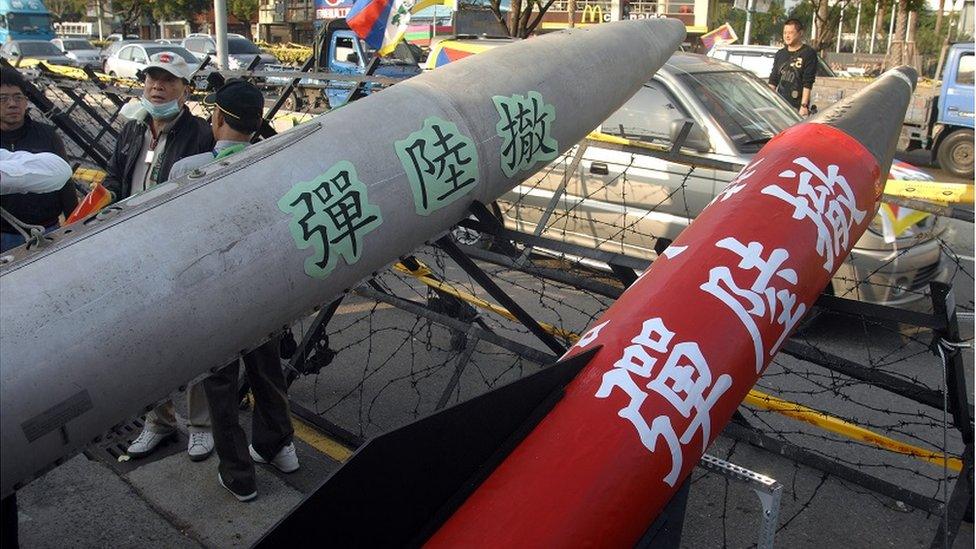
(683, 381)
(827, 201)
(760, 299)
(738, 183)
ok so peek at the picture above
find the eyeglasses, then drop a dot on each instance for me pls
(16, 98)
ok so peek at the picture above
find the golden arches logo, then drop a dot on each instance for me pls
(592, 14)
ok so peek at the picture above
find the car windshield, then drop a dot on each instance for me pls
(27, 23)
(746, 109)
(38, 48)
(241, 46)
(72, 45)
(182, 52)
(401, 54)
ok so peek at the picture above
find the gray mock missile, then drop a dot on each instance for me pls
(114, 313)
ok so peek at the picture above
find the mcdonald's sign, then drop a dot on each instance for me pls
(594, 14)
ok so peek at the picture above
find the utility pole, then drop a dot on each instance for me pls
(840, 28)
(891, 27)
(857, 25)
(874, 28)
(750, 7)
(571, 12)
(220, 23)
(100, 15)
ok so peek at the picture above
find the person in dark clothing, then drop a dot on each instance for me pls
(794, 68)
(19, 132)
(160, 133)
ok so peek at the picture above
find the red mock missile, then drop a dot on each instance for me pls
(680, 349)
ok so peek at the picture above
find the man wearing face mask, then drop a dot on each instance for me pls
(159, 134)
(162, 132)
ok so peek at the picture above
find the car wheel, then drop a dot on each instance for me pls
(471, 237)
(293, 102)
(956, 154)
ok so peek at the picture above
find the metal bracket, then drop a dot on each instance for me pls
(769, 491)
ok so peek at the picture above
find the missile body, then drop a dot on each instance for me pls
(116, 313)
(679, 350)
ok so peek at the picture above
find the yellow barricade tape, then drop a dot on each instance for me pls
(423, 275)
(754, 398)
(847, 429)
(89, 175)
(931, 191)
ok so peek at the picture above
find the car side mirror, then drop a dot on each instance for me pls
(696, 139)
(353, 58)
(211, 51)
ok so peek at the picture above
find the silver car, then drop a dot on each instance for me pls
(79, 50)
(623, 200)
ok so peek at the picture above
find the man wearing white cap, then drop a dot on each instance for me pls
(161, 132)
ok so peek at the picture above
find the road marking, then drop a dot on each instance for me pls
(320, 442)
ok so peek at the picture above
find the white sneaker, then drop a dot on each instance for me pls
(286, 460)
(240, 497)
(146, 442)
(200, 446)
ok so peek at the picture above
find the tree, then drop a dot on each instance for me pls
(62, 10)
(128, 13)
(244, 11)
(767, 28)
(523, 17)
(175, 10)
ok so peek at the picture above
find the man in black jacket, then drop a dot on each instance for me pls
(18, 132)
(794, 68)
(160, 133)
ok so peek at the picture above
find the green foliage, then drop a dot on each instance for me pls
(243, 10)
(66, 10)
(163, 10)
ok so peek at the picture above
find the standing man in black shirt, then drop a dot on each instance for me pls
(794, 68)
(18, 132)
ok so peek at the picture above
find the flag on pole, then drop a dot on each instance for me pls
(724, 34)
(381, 23)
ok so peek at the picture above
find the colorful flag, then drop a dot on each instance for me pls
(97, 199)
(896, 220)
(381, 23)
(722, 35)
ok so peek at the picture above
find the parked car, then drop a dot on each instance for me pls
(624, 199)
(41, 50)
(132, 58)
(79, 50)
(758, 59)
(117, 37)
(113, 47)
(240, 50)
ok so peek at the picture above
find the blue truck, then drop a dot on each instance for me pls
(24, 20)
(943, 123)
(338, 50)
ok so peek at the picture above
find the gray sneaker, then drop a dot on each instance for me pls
(147, 442)
(200, 446)
(286, 460)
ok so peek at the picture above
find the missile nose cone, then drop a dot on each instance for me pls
(874, 115)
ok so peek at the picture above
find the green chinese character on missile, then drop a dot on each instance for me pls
(330, 214)
(525, 126)
(441, 164)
